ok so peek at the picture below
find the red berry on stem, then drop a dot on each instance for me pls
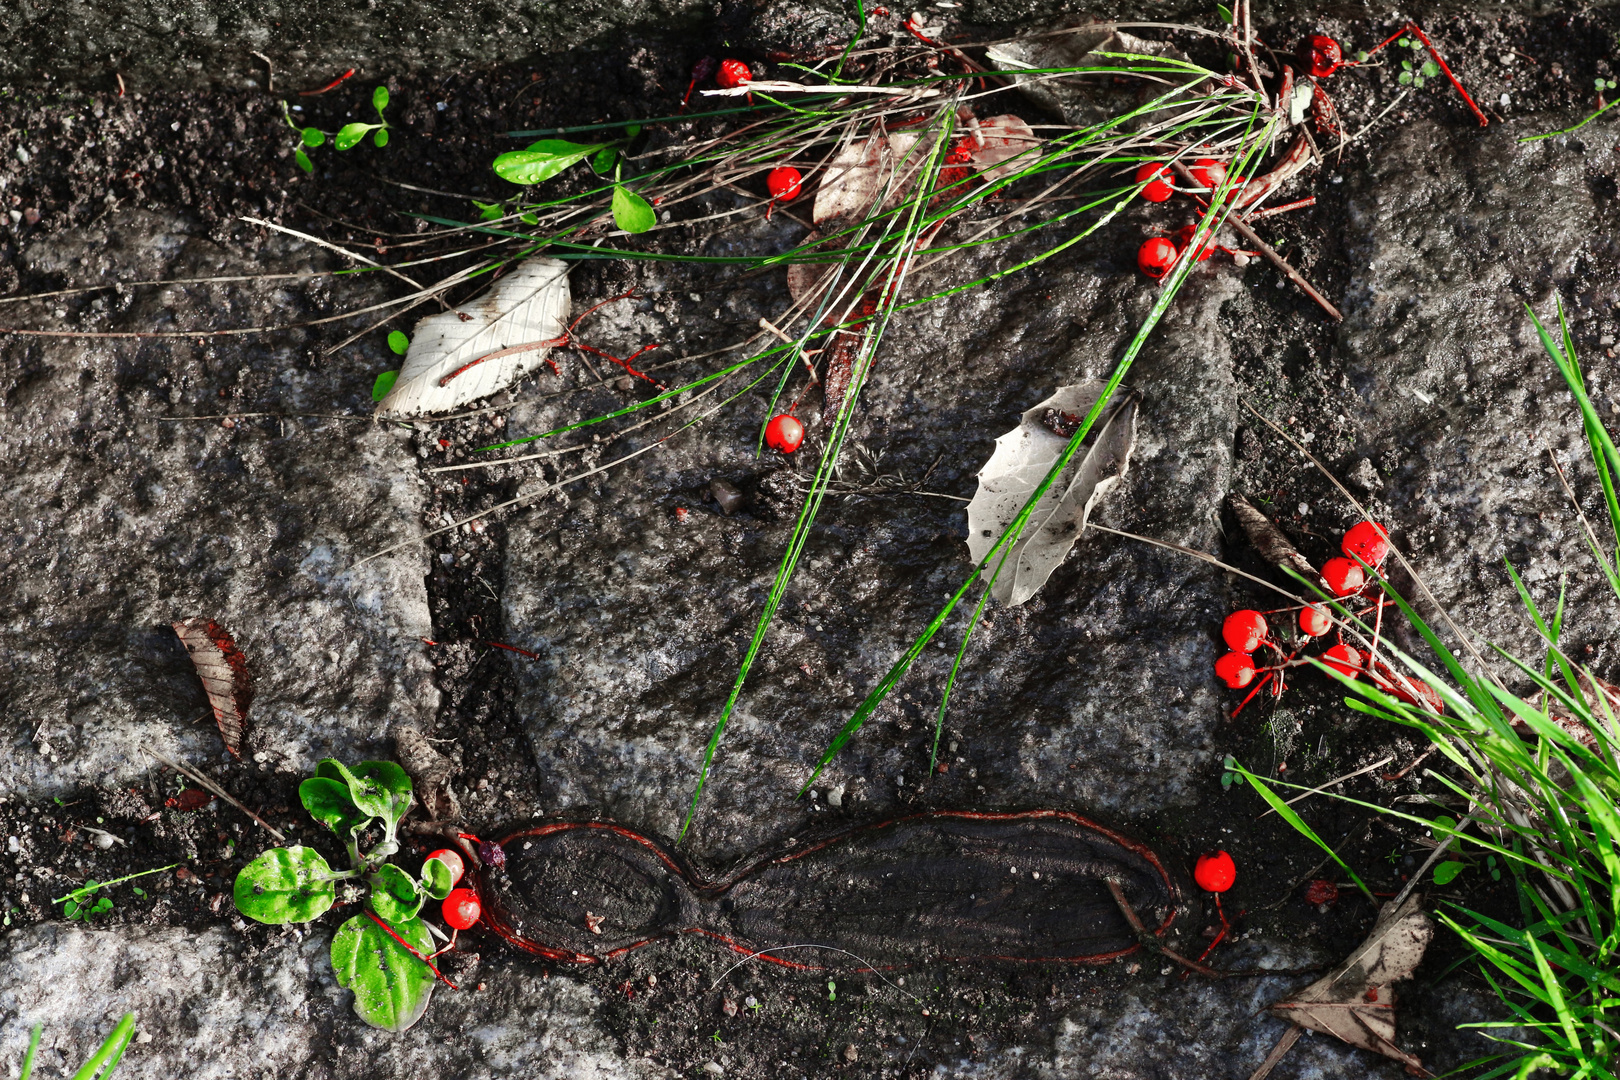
(1367, 541)
(1243, 631)
(1344, 659)
(784, 433)
(1314, 622)
(1158, 190)
(733, 73)
(1326, 56)
(1215, 871)
(1343, 576)
(1185, 237)
(1235, 669)
(452, 862)
(1209, 172)
(783, 182)
(1155, 257)
(461, 908)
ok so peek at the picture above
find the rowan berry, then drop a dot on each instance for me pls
(452, 862)
(1243, 631)
(1344, 659)
(1313, 621)
(1158, 190)
(461, 908)
(1235, 669)
(1185, 237)
(1343, 576)
(1326, 56)
(783, 182)
(1155, 257)
(1209, 172)
(784, 433)
(1367, 541)
(733, 73)
(1215, 872)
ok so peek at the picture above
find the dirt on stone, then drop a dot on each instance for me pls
(71, 159)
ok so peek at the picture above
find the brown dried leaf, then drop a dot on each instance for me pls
(1355, 1002)
(1267, 539)
(1006, 145)
(430, 772)
(223, 670)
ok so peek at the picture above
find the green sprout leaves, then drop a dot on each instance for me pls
(542, 160)
(1445, 873)
(285, 885)
(436, 879)
(347, 137)
(631, 212)
(329, 803)
(313, 137)
(1417, 75)
(603, 160)
(398, 342)
(84, 909)
(384, 383)
(391, 986)
(350, 134)
(1230, 772)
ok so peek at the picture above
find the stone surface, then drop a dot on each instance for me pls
(208, 1007)
(117, 522)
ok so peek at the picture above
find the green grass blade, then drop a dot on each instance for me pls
(1287, 813)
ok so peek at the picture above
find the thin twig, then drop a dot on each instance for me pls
(203, 779)
(1335, 780)
(1284, 1044)
(1146, 939)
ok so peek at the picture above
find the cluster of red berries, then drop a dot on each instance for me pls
(460, 909)
(1159, 253)
(1365, 544)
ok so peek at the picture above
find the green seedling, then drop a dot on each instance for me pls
(542, 160)
(101, 1063)
(1416, 74)
(1230, 774)
(83, 904)
(346, 137)
(382, 953)
(1445, 873)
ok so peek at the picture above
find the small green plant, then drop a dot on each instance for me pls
(101, 1063)
(542, 160)
(381, 954)
(83, 904)
(346, 137)
(1416, 74)
(1231, 772)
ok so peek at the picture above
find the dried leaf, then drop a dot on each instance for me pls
(484, 345)
(1356, 1001)
(1022, 459)
(1007, 145)
(429, 770)
(1269, 540)
(223, 670)
(866, 170)
(1081, 99)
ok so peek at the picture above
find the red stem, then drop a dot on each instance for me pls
(1417, 30)
(513, 648)
(333, 85)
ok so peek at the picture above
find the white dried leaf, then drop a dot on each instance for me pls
(866, 170)
(1007, 145)
(1021, 461)
(1356, 1000)
(484, 345)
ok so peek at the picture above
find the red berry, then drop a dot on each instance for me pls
(783, 182)
(1215, 871)
(733, 73)
(1158, 190)
(1344, 659)
(1185, 237)
(1367, 541)
(452, 862)
(1235, 669)
(1326, 56)
(1321, 892)
(784, 433)
(1155, 257)
(461, 908)
(1243, 631)
(1343, 576)
(1314, 622)
(1209, 172)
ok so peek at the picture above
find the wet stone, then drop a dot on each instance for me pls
(117, 523)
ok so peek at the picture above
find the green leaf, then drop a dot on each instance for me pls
(385, 785)
(71, 910)
(351, 134)
(1404, 78)
(285, 885)
(436, 880)
(1418, 81)
(631, 212)
(380, 139)
(385, 381)
(395, 895)
(488, 211)
(1406, 65)
(603, 160)
(107, 1055)
(303, 160)
(1429, 69)
(391, 986)
(398, 342)
(379, 99)
(313, 137)
(103, 905)
(528, 219)
(542, 160)
(1287, 813)
(329, 802)
(1446, 872)
(1361, 56)
(632, 130)
(1224, 12)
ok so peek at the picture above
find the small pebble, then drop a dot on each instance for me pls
(851, 1055)
(31, 215)
(835, 796)
(726, 496)
(713, 1068)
